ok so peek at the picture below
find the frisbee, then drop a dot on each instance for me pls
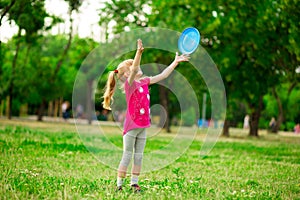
(189, 40)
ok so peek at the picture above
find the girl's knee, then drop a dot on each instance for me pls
(138, 157)
(126, 158)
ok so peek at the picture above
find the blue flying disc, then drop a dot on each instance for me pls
(189, 40)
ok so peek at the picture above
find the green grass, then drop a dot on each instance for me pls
(50, 161)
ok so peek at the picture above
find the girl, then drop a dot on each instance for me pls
(137, 118)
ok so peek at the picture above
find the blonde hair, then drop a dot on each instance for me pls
(112, 80)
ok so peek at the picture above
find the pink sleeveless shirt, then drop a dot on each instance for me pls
(138, 105)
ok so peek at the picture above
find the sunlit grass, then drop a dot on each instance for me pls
(50, 161)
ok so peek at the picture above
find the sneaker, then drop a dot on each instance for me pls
(136, 188)
(119, 188)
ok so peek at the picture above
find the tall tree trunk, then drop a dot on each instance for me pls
(7, 106)
(13, 71)
(255, 115)
(1, 107)
(164, 100)
(281, 109)
(56, 108)
(280, 117)
(67, 47)
(226, 128)
(254, 123)
(23, 110)
(26, 56)
(89, 100)
(41, 110)
(50, 109)
(61, 100)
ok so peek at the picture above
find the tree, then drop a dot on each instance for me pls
(287, 55)
(73, 6)
(5, 7)
(29, 16)
(259, 63)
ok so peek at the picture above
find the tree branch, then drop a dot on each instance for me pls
(5, 11)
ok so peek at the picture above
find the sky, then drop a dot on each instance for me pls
(85, 22)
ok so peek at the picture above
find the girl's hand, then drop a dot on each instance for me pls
(181, 58)
(140, 47)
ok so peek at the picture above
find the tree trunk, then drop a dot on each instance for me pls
(1, 107)
(89, 100)
(254, 124)
(23, 110)
(60, 104)
(254, 120)
(281, 109)
(7, 106)
(13, 71)
(164, 100)
(56, 108)
(66, 49)
(226, 128)
(280, 117)
(41, 110)
(50, 109)
(26, 57)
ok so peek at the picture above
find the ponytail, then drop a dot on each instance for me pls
(109, 90)
(112, 81)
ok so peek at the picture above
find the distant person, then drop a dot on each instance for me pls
(65, 110)
(246, 122)
(79, 111)
(272, 125)
(211, 123)
(136, 89)
(103, 115)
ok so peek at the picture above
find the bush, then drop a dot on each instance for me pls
(188, 117)
(263, 123)
(289, 126)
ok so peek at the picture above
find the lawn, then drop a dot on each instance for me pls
(43, 160)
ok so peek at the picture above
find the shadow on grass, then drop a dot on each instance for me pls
(54, 146)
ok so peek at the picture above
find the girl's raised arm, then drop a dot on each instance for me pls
(136, 61)
(164, 74)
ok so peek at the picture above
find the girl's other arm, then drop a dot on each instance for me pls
(136, 61)
(169, 69)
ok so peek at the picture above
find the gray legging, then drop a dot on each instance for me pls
(133, 142)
